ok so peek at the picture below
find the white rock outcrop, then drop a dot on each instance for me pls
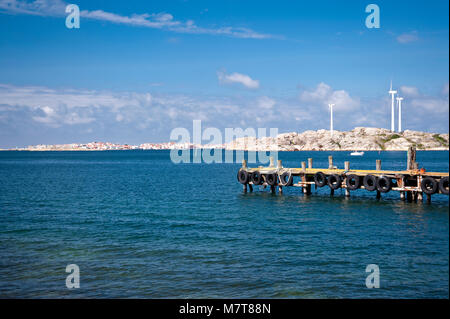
(360, 138)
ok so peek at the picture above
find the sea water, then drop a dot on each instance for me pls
(138, 225)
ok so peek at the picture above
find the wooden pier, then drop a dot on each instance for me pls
(412, 183)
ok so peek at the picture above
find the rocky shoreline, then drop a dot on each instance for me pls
(360, 138)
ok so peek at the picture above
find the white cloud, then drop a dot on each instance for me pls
(239, 78)
(266, 102)
(410, 91)
(323, 94)
(408, 37)
(56, 8)
(430, 104)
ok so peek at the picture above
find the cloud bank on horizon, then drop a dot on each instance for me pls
(71, 115)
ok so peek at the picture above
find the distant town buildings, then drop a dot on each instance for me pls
(106, 146)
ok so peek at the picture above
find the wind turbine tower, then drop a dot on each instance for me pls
(392, 92)
(331, 117)
(399, 102)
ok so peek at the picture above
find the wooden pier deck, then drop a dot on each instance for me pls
(411, 183)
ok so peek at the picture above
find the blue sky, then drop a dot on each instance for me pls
(134, 70)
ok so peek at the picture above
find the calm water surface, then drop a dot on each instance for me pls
(138, 225)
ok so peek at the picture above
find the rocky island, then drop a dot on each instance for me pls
(360, 138)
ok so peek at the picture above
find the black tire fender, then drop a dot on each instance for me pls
(353, 182)
(320, 179)
(370, 182)
(443, 185)
(257, 178)
(384, 184)
(286, 179)
(429, 185)
(334, 181)
(243, 177)
(272, 179)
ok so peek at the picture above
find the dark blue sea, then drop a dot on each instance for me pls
(140, 226)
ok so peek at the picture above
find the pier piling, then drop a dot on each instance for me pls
(347, 168)
(310, 163)
(378, 165)
(272, 189)
(411, 158)
(420, 196)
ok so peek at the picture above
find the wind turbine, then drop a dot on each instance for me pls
(392, 92)
(331, 117)
(399, 103)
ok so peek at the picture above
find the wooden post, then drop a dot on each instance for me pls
(303, 177)
(332, 192)
(409, 196)
(411, 158)
(428, 199)
(347, 168)
(310, 161)
(378, 168)
(271, 162)
(420, 196)
(330, 162)
(402, 195)
(378, 165)
(280, 188)
(244, 166)
(250, 187)
(272, 189)
(279, 164)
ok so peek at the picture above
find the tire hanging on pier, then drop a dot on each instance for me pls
(370, 182)
(443, 185)
(334, 181)
(429, 185)
(320, 179)
(286, 179)
(257, 178)
(243, 177)
(353, 182)
(384, 184)
(272, 179)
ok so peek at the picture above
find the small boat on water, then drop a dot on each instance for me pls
(356, 153)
